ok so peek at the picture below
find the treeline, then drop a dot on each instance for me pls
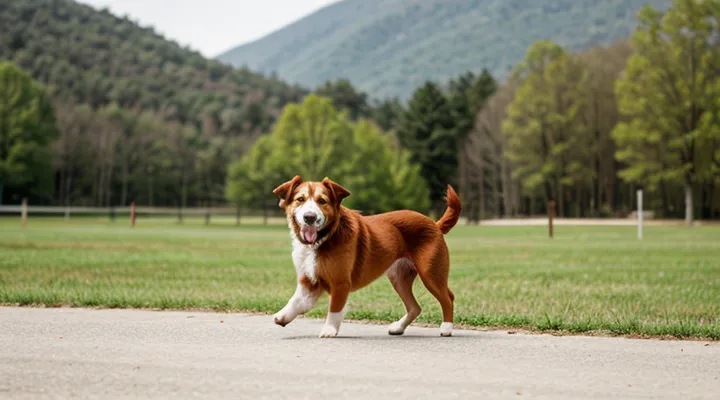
(585, 130)
(135, 117)
(588, 129)
(315, 140)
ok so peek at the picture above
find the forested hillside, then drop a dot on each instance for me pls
(390, 47)
(121, 90)
(98, 58)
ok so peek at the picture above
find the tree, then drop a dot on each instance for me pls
(488, 157)
(380, 174)
(314, 140)
(545, 140)
(386, 113)
(345, 97)
(669, 97)
(468, 95)
(600, 116)
(426, 129)
(27, 125)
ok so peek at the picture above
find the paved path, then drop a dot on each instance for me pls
(79, 353)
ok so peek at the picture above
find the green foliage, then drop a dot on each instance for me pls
(27, 125)
(314, 140)
(467, 96)
(427, 130)
(387, 113)
(545, 138)
(669, 98)
(389, 48)
(345, 97)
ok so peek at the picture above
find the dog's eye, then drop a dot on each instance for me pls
(321, 201)
(300, 199)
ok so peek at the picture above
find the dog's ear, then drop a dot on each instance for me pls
(337, 191)
(284, 191)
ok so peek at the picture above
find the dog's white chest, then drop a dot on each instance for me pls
(305, 260)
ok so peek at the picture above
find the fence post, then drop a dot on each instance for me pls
(24, 212)
(180, 214)
(67, 211)
(112, 213)
(237, 216)
(640, 213)
(132, 214)
(551, 215)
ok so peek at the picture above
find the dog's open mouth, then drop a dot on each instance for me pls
(309, 233)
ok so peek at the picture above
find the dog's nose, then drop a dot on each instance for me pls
(310, 217)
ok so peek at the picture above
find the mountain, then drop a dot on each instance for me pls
(390, 47)
(91, 56)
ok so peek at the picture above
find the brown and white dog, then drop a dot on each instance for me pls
(338, 250)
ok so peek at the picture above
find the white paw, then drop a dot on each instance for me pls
(446, 329)
(328, 331)
(282, 318)
(398, 327)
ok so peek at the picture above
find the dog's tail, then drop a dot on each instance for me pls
(452, 214)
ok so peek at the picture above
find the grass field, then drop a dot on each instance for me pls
(588, 279)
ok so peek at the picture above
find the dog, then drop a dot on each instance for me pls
(338, 250)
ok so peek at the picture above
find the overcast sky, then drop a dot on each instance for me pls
(212, 26)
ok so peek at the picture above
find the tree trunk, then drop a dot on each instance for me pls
(712, 199)
(578, 202)
(531, 212)
(108, 184)
(68, 185)
(150, 190)
(481, 191)
(462, 170)
(688, 204)
(506, 188)
(125, 173)
(497, 193)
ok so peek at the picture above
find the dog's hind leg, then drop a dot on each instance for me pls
(433, 267)
(402, 275)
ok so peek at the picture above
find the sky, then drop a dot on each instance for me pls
(212, 26)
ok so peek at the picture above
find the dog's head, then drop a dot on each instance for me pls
(312, 208)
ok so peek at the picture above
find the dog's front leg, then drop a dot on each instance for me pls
(337, 310)
(302, 301)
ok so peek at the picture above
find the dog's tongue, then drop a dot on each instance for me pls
(309, 233)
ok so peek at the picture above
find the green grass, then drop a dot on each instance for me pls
(588, 279)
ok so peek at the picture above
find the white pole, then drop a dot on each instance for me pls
(640, 213)
(67, 211)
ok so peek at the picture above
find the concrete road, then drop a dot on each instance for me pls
(79, 353)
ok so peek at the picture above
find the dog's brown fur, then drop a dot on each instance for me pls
(359, 249)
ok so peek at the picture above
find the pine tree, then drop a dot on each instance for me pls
(427, 129)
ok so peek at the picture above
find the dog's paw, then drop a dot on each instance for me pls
(397, 328)
(328, 331)
(281, 319)
(446, 329)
